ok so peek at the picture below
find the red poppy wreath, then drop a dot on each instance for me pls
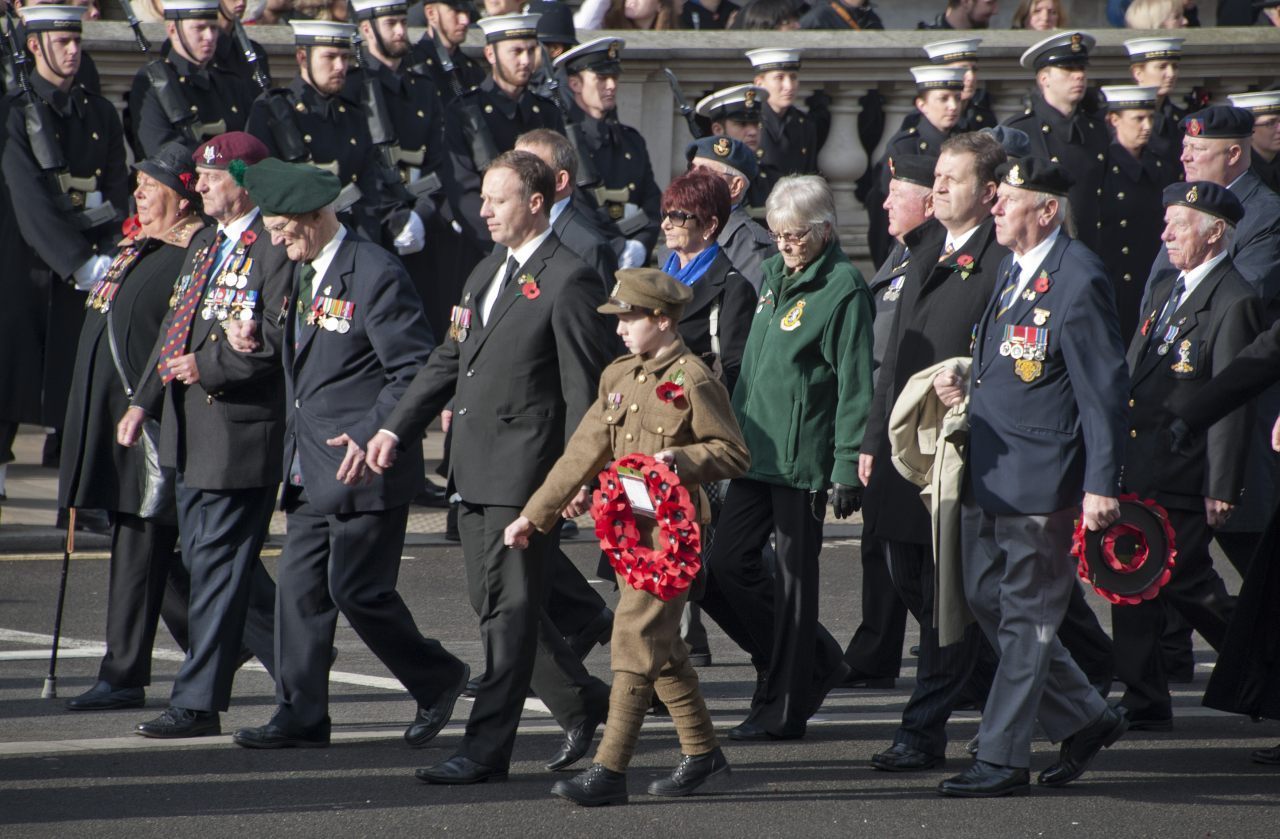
(671, 565)
(1132, 559)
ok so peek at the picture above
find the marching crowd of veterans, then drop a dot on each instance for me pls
(1070, 319)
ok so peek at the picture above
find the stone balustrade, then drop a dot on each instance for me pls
(844, 64)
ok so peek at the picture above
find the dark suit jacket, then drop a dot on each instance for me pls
(581, 237)
(521, 383)
(886, 298)
(349, 382)
(747, 244)
(225, 431)
(935, 320)
(1035, 446)
(1214, 324)
(723, 284)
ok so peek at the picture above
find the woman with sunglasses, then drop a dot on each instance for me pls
(695, 208)
(802, 400)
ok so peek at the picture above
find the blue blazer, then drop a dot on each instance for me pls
(348, 382)
(1035, 446)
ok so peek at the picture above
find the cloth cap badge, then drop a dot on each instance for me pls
(721, 148)
(1194, 127)
(1014, 178)
(1076, 46)
(893, 170)
(1193, 195)
(210, 154)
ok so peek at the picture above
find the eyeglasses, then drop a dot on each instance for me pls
(282, 230)
(786, 238)
(678, 218)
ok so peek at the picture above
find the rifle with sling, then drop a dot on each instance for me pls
(557, 86)
(686, 110)
(483, 147)
(173, 104)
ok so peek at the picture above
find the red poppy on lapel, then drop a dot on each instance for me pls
(248, 237)
(131, 227)
(669, 391)
(1043, 283)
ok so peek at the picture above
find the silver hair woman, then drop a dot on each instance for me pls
(801, 399)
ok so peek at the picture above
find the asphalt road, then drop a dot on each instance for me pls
(87, 774)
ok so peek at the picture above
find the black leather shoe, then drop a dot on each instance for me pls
(273, 735)
(1081, 748)
(1150, 719)
(576, 742)
(471, 688)
(857, 680)
(596, 632)
(104, 697)
(432, 496)
(902, 758)
(987, 780)
(748, 730)
(181, 722)
(429, 721)
(460, 770)
(596, 787)
(1271, 757)
(692, 773)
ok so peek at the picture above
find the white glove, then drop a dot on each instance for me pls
(94, 269)
(412, 237)
(633, 254)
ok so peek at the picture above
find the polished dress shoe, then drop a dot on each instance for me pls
(432, 496)
(597, 632)
(104, 697)
(857, 680)
(429, 721)
(275, 735)
(747, 730)
(181, 722)
(692, 773)
(987, 780)
(460, 770)
(902, 758)
(576, 742)
(1149, 719)
(1271, 757)
(595, 787)
(1080, 748)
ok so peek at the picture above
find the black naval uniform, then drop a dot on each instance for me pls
(622, 160)
(923, 138)
(1166, 136)
(1268, 171)
(506, 119)
(335, 133)
(92, 144)
(977, 114)
(788, 146)
(1132, 220)
(221, 97)
(424, 60)
(1079, 143)
(228, 55)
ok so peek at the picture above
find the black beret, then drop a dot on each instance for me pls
(288, 189)
(1207, 197)
(1014, 141)
(172, 166)
(730, 152)
(912, 168)
(1037, 175)
(1219, 122)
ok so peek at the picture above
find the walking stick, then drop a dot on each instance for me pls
(51, 681)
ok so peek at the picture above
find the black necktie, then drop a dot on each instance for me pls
(512, 268)
(1170, 308)
(1007, 294)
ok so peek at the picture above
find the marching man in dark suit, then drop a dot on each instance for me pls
(946, 292)
(1046, 426)
(1200, 319)
(222, 423)
(353, 339)
(520, 364)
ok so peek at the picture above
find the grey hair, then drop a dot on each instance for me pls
(1205, 221)
(1064, 216)
(802, 201)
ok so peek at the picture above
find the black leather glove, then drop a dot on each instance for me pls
(1181, 437)
(846, 500)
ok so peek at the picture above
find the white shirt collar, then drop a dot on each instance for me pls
(1196, 275)
(559, 207)
(1029, 262)
(526, 250)
(955, 243)
(324, 258)
(235, 229)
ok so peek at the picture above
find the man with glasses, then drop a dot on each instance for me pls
(221, 430)
(202, 99)
(354, 336)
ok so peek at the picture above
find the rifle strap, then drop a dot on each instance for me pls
(838, 8)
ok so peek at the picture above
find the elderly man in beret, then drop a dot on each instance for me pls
(355, 336)
(222, 425)
(1046, 437)
(1200, 318)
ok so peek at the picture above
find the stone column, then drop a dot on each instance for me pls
(843, 161)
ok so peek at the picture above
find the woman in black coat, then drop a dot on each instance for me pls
(122, 323)
(695, 208)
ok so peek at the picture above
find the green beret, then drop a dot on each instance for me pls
(289, 189)
(647, 288)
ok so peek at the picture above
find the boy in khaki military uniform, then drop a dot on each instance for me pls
(697, 435)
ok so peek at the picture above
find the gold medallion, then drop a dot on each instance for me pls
(1028, 369)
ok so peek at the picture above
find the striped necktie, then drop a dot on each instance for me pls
(179, 332)
(1008, 293)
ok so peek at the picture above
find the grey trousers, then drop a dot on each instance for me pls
(1018, 577)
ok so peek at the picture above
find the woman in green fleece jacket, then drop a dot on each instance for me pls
(801, 399)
